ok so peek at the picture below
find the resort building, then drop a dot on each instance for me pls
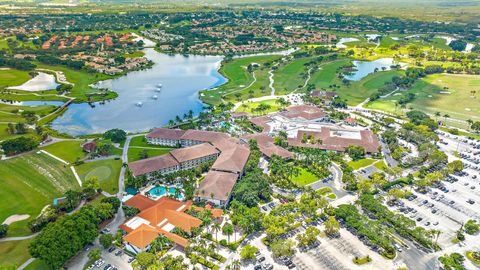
(308, 126)
(159, 217)
(267, 146)
(217, 187)
(230, 155)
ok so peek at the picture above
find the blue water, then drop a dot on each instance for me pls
(364, 68)
(33, 103)
(182, 77)
(162, 191)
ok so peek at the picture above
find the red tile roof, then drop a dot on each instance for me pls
(153, 164)
(306, 112)
(267, 147)
(233, 159)
(166, 133)
(194, 152)
(220, 184)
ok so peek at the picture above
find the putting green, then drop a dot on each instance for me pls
(101, 172)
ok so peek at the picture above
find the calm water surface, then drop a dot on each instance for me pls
(181, 77)
(363, 68)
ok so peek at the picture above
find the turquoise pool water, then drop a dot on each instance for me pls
(162, 191)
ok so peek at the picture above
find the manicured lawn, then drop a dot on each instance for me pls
(382, 166)
(38, 265)
(134, 152)
(29, 183)
(14, 253)
(13, 77)
(250, 106)
(441, 93)
(107, 172)
(304, 177)
(69, 150)
(291, 75)
(361, 163)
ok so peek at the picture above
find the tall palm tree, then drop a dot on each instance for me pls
(236, 264)
(446, 116)
(437, 115)
(216, 227)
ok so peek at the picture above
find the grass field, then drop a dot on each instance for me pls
(239, 78)
(304, 177)
(38, 265)
(134, 152)
(440, 93)
(30, 182)
(107, 172)
(69, 151)
(250, 106)
(13, 77)
(291, 75)
(140, 141)
(14, 253)
(361, 163)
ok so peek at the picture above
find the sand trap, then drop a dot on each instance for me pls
(14, 218)
(468, 109)
(445, 92)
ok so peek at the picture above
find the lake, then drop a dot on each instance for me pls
(364, 68)
(181, 78)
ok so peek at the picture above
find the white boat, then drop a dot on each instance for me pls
(154, 97)
(159, 85)
(158, 89)
(139, 104)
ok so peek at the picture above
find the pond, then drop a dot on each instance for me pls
(364, 68)
(32, 103)
(142, 104)
(42, 81)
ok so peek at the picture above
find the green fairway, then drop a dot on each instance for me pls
(134, 152)
(250, 106)
(304, 178)
(440, 93)
(30, 182)
(239, 79)
(69, 151)
(361, 163)
(107, 172)
(13, 77)
(291, 76)
(14, 253)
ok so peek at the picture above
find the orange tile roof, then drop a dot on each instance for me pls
(142, 236)
(140, 202)
(194, 152)
(232, 159)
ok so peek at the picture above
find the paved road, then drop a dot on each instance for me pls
(121, 178)
(18, 238)
(386, 153)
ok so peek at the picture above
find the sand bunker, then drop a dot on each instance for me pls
(14, 218)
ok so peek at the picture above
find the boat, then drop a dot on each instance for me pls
(154, 97)
(159, 85)
(158, 89)
(139, 104)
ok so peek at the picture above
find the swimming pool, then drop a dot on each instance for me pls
(161, 191)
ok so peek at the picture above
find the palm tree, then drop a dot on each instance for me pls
(227, 230)
(236, 264)
(216, 227)
(446, 116)
(437, 114)
(470, 122)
